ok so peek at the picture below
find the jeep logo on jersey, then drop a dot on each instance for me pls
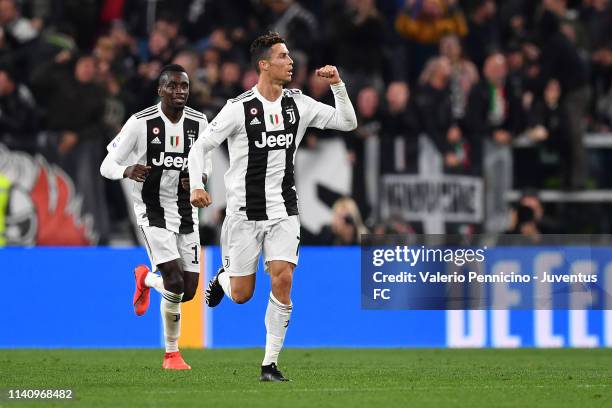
(170, 162)
(274, 141)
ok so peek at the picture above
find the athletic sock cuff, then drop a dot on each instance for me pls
(279, 305)
(172, 297)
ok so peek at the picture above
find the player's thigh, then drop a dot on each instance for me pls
(161, 245)
(282, 241)
(241, 244)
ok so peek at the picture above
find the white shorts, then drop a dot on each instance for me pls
(242, 241)
(164, 245)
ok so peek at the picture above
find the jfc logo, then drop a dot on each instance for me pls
(291, 113)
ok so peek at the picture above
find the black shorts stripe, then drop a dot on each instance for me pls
(291, 118)
(150, 187)
(146, 240)
(255, 178)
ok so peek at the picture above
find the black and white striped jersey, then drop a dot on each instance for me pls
(262, 139)
(150, 138)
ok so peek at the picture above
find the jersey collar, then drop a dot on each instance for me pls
(263, 99)
(165, 118)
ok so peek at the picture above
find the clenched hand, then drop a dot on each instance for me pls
(200, 198)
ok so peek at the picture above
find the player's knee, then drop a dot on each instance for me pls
(283, 281)
(188, 294)
(241, 296)
(174, 283)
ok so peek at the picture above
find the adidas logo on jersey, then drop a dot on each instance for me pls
(255, 121)
(171, 163)
(156, 141)
(275, 141)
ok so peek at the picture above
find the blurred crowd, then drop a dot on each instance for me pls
(472, 75)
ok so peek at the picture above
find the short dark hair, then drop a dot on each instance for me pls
(163, 77)
(261, 46)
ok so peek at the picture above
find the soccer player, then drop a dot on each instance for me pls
(264, 126)
(152, 150)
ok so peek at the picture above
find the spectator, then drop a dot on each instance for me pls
(75, 106)
(359, 34)
(483, 33)
(549, 128)
(399, 132)
(125, 48)
(523, 223)
(295, 24)
(463, 74)
(18, 39)
(494, 112)
(434, 107)
(427, 21)
(529, 219)
(159, 49)
(237, 17)
(19, 119)
(169, 24)
(423, 24)
(141, 15)
(346, 227)
(494, 116)
(561, 60)
(83, 16)
(228, 85)
(364, 163)
(597, 17)
(17, 29)
(521, 78)
(152, 58)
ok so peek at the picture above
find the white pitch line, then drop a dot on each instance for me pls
(383, 389)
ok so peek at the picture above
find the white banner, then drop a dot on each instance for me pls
(439, 198)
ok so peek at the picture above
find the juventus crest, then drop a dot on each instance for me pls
(291, 115)
(191, 135)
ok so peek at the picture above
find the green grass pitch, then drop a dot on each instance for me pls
(378, 378)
